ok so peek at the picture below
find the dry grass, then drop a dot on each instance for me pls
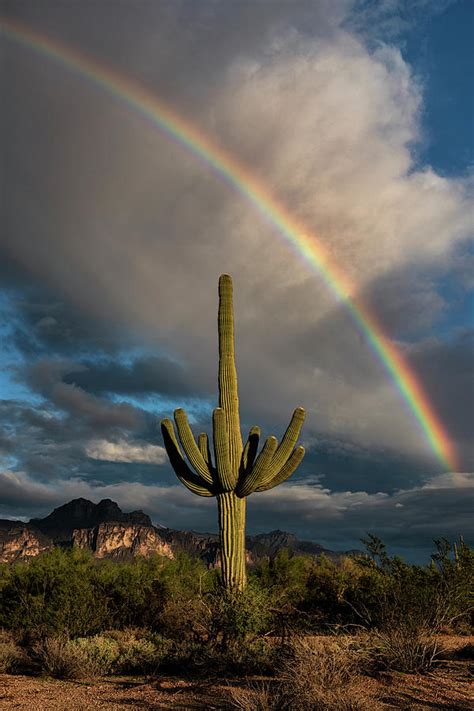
(325, 675)
(406, 649)
(258, 696)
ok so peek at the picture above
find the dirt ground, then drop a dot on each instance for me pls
(450, 687)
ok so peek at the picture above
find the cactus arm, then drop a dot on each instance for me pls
(286, 471)
(203, 444)
(263, 461)
(250, 450)
(286, 446)
(225, 476)
(228, 392)
(190, 480)
(190, 447)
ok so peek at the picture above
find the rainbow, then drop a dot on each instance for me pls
(163, 117)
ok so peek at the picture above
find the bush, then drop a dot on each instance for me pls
(99, 654)
(405, 648)
(185, 619)
(239, 615)
(58, 658)
(238, 657)
(139, 652)
(12, 657)
(321, 674)
(70, 595)
(217, 617)
(242, 657)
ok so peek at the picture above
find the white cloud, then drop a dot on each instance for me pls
(451, 480)
(124, 451)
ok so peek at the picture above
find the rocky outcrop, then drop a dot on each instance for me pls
(20, 541)
(122, 541)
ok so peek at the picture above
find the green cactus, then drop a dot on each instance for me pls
(236, 471)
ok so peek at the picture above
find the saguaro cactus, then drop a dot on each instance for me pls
(236, 471)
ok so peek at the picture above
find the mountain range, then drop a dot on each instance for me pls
(108, 532)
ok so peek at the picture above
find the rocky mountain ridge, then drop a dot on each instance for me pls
(108, 532)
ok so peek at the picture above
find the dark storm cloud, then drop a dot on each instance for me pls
(46, 378)
(6, 443)
(40, 324)
(144, 376)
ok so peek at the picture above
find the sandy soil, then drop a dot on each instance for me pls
(450, 688)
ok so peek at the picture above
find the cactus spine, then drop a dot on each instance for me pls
(236, 471)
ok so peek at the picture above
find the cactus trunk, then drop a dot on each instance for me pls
(231, 510)
(236, 472)
(228, 391)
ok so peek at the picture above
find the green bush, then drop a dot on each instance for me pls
(239, 615)
(139, 652)
(68, 594)
(71, 593)
(99, 654)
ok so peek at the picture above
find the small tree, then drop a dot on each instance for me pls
(236, 471)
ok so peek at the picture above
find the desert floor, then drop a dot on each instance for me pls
(449, 687)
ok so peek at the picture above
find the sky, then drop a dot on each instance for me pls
(356, 116)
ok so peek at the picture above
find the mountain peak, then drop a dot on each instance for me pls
(82, 513)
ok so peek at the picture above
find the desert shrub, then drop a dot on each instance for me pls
(239, 615)
(330, 589)
(12, 656)
(139, 652)
(216, 617)
(185, 619)
(405, 648)
(69, 593)
(99, 654)
(186, 656)
(432, 597)
(82, 657)
(321, 674)
(242, 657)
(238, 657)
(58, 658)
(285, 576)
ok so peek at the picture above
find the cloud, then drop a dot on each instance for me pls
(123, 451)
(144, 375)
(46, 377)
(115, 236)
